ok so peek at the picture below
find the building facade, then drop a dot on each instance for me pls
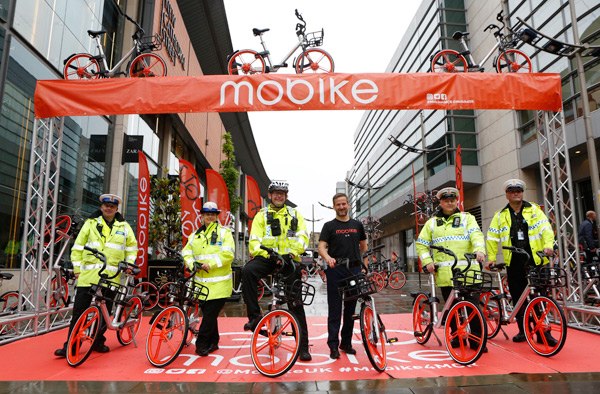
(36, 36)
(496, 145)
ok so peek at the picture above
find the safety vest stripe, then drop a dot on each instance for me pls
(114, 246)
(213, 279)
(91, 267)
(215, 257)
(131, 249)
(78, 247)
(94, 245)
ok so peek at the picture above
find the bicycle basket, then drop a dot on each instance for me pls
(356, 286)
(195, 292)
(111, 291)
(150, 43)
(547, 277)
(315, 38)
(473, 281)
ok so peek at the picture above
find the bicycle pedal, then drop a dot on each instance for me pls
(392, 340)
(355, 317)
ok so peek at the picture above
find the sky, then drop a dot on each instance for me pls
(313, 150)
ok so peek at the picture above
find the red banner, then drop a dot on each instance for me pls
(253, 199)
(278, 92)
(217, 192)
(190, 196)
(143, 214)
(459, 179)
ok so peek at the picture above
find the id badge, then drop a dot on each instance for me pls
(520, 235)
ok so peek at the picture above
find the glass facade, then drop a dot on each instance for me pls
(388, 165)
(51, 31)
(554, 20)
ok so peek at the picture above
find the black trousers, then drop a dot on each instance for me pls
(208, 333)
(260, 267)
(334, 306)
(516, 274)
(83, 299)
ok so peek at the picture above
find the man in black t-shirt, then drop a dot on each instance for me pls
(340, 238)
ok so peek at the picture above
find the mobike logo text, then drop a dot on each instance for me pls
(346, 231)
(299, 91)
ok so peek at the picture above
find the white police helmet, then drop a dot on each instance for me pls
(447, 192)
(514, 184)
(110, 199)
(210, 207)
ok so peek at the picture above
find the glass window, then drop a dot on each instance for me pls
(4, 9)
(465, 140)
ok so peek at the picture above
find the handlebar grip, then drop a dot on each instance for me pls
(497, 266)
(514, 249)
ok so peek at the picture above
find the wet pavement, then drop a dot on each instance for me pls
(388, 301)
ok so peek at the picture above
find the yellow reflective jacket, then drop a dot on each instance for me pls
(289, 241)
(117, 244)
(460, 233)
(212, 245)
(541, 235)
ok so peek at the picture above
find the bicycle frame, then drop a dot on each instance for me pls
(467, 53)
(111, 72)
(267, 56)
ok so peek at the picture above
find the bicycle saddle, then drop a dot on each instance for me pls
(258, 32)
(95, 33)
(6, 275)
(457, 35)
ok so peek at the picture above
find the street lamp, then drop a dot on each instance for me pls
(313, 220)
(371, 223)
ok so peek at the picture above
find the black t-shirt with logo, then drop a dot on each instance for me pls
(343, 239)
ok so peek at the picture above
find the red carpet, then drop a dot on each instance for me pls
(32, 358)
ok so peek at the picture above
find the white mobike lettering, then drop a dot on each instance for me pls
(236, 89)
(263, 85)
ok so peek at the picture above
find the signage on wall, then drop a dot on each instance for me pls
(167, 34)
(131, 145)
(97, 151)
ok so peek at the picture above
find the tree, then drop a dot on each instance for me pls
(165, 220)
(230, 173)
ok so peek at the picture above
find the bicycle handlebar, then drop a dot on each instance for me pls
(514, 249)
(300, 27)
(453, 255)
(123, 266)
(285, 263)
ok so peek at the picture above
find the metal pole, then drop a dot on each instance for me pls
(312, 235)
(424, 147)
(369, 188)
(587, 123)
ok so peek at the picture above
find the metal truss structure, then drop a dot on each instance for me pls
(34, 315)
(555, 169)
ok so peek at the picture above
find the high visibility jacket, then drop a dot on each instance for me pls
(117, 244)
(460, 233)
(212, 245)
(289, 241)
(541, 235)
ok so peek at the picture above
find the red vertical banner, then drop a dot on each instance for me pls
(143, 214)
(217, 192)
(459, 179)
(191, 199)
(253, 200)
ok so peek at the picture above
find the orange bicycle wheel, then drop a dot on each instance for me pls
(60, 293)
(246, 62)
(378, 279)
(9, 301)
(81, 66)
(397, 280)
(164, 299)
(449, 61)
(464, 343)
(148, 292)
(374, 344)
(275, 343)
(146, 65)
(315, 61)
(131, 317)
(492, 312)
(545, 326)
(81, 340)
(166, 336)
(513, 61)
(422, 318)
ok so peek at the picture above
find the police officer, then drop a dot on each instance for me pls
(452, 229)
(107, 231)
(282, 228)
(524, 225)
(211, 246)
(455, 230)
